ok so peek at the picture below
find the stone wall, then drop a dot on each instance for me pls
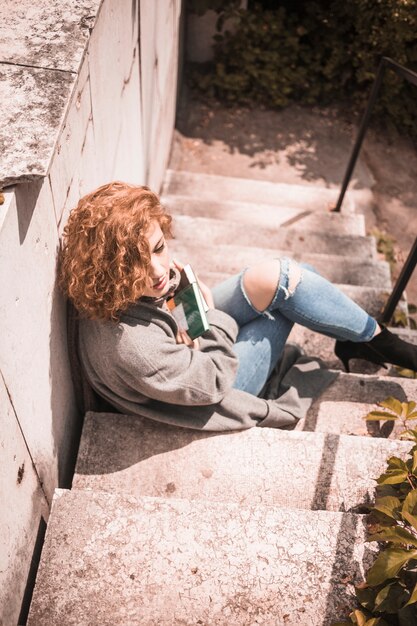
(86, 98)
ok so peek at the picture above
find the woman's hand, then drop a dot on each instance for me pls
(177, 264)
(183, 337)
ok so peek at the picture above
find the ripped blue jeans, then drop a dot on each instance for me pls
(308, 299)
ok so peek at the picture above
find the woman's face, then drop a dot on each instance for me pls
(159, 270)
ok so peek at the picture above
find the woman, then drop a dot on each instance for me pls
(116, 269)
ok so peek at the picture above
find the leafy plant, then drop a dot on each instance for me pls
(403, 319)
(396, 411)
(385, 245)
(388, 597)
(315, 52)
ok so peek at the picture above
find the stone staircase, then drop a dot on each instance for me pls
(175, 527)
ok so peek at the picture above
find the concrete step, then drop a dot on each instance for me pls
(233, 258)
(259, 466)
(216, 232)
(212, 187)
(342, 406)
(265, 215)
(407, 334)
(113, 560)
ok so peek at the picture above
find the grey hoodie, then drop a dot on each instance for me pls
(137, 365)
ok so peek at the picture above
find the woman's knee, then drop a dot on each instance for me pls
(261, 281)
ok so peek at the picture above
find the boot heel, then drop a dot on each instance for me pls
(346, 365)
(340, 350)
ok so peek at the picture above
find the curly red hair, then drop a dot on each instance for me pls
(105, 256)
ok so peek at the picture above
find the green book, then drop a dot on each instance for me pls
(188, 309)
(187, 277)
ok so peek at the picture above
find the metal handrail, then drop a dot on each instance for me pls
(411, 261)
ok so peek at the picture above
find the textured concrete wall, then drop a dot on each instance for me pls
(38, 412)
(102, 139)
(23, 505)
(117, 124)
(159, 35)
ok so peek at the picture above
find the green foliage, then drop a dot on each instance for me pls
(389, 594)
(315, 52)
(394, 411)
(400, 319)
(385, 245)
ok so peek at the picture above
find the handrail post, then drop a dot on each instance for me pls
(411, 261)
(400, 285)
(361, 134)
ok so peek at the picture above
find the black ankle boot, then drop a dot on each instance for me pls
(383, 348)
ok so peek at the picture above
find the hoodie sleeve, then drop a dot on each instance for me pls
(157, 367)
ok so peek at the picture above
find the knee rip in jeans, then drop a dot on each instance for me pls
(294, 279)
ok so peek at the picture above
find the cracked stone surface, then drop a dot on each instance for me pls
(33, 106)
(261, 466)
(264, 215)
(342, 406)
(41, 48)
(216, 232)
(46, 33)
(213, 187)
(147, 561)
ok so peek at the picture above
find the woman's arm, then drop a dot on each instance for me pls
(161, 369)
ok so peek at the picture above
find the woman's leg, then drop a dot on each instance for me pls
(259, 346)
(261, 338)
(303, 296)
(268, 298)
